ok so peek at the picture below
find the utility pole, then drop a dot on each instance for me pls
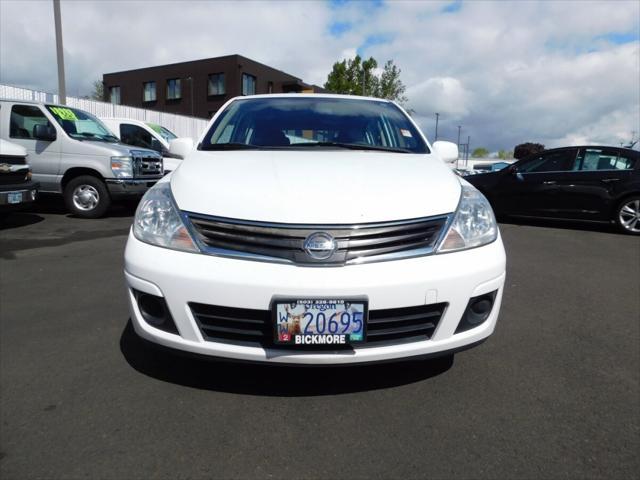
(62, 89)
(437, 116)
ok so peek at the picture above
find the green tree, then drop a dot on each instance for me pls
(526, 149)
(389, 85)
(98, 91)
(356, 76)
(504, 155)
(480, 152)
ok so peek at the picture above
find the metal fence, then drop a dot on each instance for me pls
(181, 125)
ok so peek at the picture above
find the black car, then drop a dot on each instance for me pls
(591, 183)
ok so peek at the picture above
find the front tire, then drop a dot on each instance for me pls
(87, 197)
(627, 215)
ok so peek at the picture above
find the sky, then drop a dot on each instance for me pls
(553, 72)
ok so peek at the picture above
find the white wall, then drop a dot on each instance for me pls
(181, 125)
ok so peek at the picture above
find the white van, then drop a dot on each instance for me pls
(145, 135)
(72, 153)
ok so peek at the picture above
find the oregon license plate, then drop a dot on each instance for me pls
(14, 197)
(320, 322)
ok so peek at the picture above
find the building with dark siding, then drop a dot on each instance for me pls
(200, 87)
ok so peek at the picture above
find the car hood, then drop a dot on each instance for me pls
(12, 149)
(322, 187)
(95, 147)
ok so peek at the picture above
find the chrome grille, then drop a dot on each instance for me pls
(145, 164)
(284, 243)
(248, 327)
(13, 160)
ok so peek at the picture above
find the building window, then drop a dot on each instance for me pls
(114, 95)
(149, 89)
(173, 89)
(216, 84)
(248, 84)
(270, 87)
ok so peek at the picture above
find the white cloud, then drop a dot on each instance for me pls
(444, 95)
(507, 72)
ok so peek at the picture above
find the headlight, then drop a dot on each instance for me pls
(474, 223)
(122, 167)
(157, 221)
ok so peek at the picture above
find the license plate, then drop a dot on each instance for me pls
(14, 197)
(320, 322)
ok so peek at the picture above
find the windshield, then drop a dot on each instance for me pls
(81, 125)
(313, 122)
(163, 132)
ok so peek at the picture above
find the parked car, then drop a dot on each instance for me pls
(72, 153)
(145, 135)
(17, 189)
(361, 245)
(474, 167)
(490, 167)
(588, 183)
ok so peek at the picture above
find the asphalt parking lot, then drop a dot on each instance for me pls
(554, 393)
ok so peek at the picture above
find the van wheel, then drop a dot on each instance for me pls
(627, 215)
(87, 197)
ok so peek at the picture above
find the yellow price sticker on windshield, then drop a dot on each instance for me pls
(64, 113)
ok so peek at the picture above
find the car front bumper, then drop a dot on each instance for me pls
(28, 192)
(182, 278)
(129, 187)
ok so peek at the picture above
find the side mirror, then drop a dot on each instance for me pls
(180, 147)
(44, 132)
(513, 170)
(447, 151)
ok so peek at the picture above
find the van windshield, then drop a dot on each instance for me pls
(162, 131)
(81, 125)
(314, 122)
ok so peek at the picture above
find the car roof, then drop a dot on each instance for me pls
(120, 119)
(311, 95)
(583, 146)
(34, 102)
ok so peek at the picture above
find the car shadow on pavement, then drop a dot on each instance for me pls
(54, 204)
(18, 219)
(271, 380)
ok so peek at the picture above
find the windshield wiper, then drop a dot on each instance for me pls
(351, 146)
(229, 146)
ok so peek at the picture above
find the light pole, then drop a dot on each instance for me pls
(437, 116)
(457, 159)
(62, 89)
(468, 147)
